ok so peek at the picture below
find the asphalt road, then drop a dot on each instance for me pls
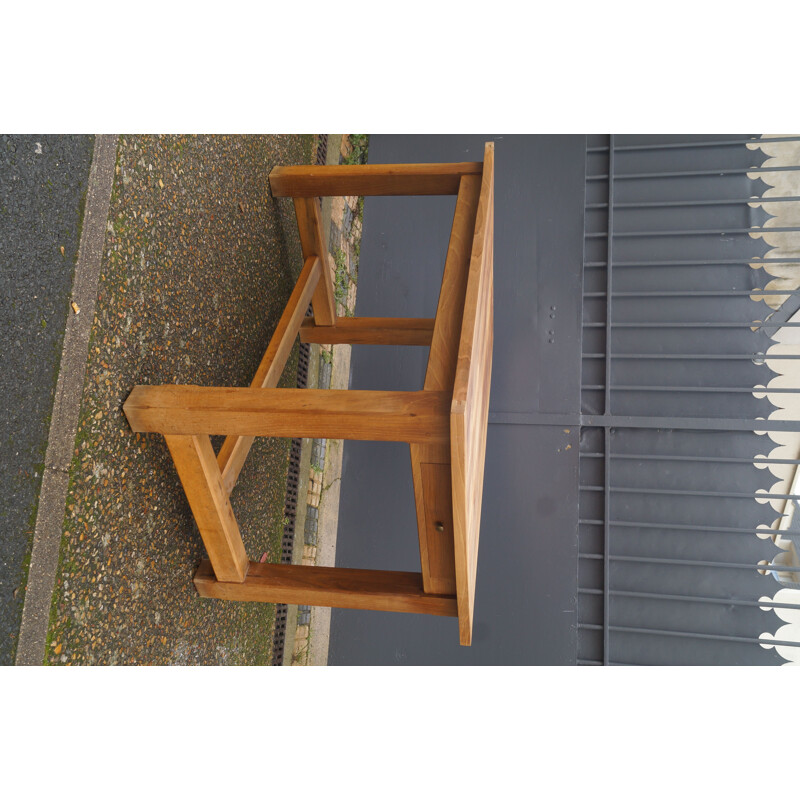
(42, 183)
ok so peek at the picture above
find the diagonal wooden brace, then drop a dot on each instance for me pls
(197, 467)
(234, 449)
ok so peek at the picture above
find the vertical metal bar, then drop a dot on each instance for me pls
(609, 266)
(606, 543)
(607, 408)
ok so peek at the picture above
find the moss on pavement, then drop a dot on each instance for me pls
(199, 261)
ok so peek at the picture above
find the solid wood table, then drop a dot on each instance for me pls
(444, 423)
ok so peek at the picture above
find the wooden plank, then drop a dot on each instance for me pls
(234, 449)
(437, 494)
(461, 526)
(419, 503)
(315, 413)
(369, 179)
(441, 369)
(337, 587)
(197, 468)
(369, 330)
(440, 375)
(430, 453)
(313, 243)
(476, 423)
(271, 367)
(470, 406)
(480, 264)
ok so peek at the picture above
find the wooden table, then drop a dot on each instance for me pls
(444, 423)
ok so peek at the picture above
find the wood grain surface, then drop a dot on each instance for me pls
(197, 468)
(369, 330)
(313, 413)
(470, 406)
(338, 587)
(445, 423)
(234, 450)
(370, 179)
(312, 240)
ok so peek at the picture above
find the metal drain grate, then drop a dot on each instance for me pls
(289, 515)
(293, 477)
(322, 156)
(322, 148)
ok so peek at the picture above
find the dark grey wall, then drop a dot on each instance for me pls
(525, 608)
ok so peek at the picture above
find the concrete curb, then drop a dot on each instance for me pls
(66, 408)
(329, 516)
(308, 644)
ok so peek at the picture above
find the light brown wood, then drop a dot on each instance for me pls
(369, 179)
(314, 413)
(437, 495)
(436, 555)
(445, 424)
(441, 369)
(234, 449)
(429, 453)
(338, 587)
(419, 503)
(369, 330)
(313, 243)
(432, 452)
(470, 406)
(197, 468)
(271, 367)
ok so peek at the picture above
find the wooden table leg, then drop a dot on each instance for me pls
(313, 243)
(202, 481)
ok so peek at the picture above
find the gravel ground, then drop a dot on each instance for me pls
(42, 181)
(199, 262)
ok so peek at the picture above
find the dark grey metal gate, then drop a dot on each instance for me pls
(663, 566)
(672, 546)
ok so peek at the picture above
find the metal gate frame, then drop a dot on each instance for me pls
(610, 422)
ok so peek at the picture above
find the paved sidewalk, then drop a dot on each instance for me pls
(197, 264)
